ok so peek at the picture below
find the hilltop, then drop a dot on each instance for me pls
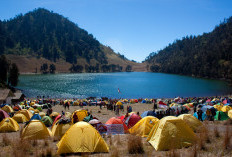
(208, 55)
(41, 36)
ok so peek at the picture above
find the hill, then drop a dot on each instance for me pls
(208, 55)
(41, 36)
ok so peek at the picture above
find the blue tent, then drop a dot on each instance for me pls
(35, 116)
(148, 113)
(203, 115)
(144, 101)
(204, 108)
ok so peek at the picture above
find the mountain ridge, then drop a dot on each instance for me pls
(43, 34)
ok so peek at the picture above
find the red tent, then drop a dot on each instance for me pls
(3, 115)
(56, 119)
(132, 120)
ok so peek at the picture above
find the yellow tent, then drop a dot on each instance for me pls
(218, 107)
(119, 103)
(36, 111)
(20, 118)
(230, 114)
(191, 121)
(59, 129)
(9, 125)
(7, 109)
(76, 103)
(42, 114)
(144, 126)
(35, 130)
(169, 133)
(225, 108)
(81, 114)
(82, 137)
(32, 103)
(54, 114)
(26, 113)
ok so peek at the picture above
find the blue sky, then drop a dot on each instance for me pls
(135, 28)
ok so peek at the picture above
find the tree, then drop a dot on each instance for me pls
(44, 68)
(13, 75)
(128, 68)
(52, 68)
(4, 64)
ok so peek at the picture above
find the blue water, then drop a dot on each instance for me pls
(131, 85)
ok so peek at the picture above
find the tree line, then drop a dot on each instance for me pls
(98, 68)
(9, 72)
(208, 55)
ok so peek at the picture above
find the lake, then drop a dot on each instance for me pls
(131, 85)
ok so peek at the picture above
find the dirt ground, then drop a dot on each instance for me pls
(215, 140)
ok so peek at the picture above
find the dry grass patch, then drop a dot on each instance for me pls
(135, 145)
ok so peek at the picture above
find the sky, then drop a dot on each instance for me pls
(134, 28)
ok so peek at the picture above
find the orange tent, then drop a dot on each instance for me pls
(114, 120)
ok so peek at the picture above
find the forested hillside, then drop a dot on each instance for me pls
(52, 37)
(207, 55)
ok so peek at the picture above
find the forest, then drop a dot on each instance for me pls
(42, 33)
(208, 55)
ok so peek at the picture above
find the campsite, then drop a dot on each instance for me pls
(143, 134)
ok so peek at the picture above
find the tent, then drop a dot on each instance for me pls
(47, 121)
(35, 116)
(144, 101)
(170, 133)
(148, 113)
(7, 109)
(56, 119)
(119, 103)
(81, 114)
(205, 107)
(68, 114)
(191, 121)
(60, 127)
(230, 114)
(35, 130)
(42, 114)
(114, 120)
(26, 113)
(20, 118)
(3, 115)
(132, 120)
(82, 137)
(144, 126)
(203, 115)
(53, 115)
(226, 108)
(218, 107)
(9, 125)
(16, 108)
(221, 116)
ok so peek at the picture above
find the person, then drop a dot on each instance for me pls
(63, 113)
(138, 113)
(75, 118)
(208, 114)
(130, 109)
(155, 106)
(177, 112)
(199, 114)
(117, 110)
(100, 105)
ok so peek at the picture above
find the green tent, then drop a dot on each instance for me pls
(47, 121)
(39, 108)
(221, 116)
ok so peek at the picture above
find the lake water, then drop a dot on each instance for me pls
(131, 85)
